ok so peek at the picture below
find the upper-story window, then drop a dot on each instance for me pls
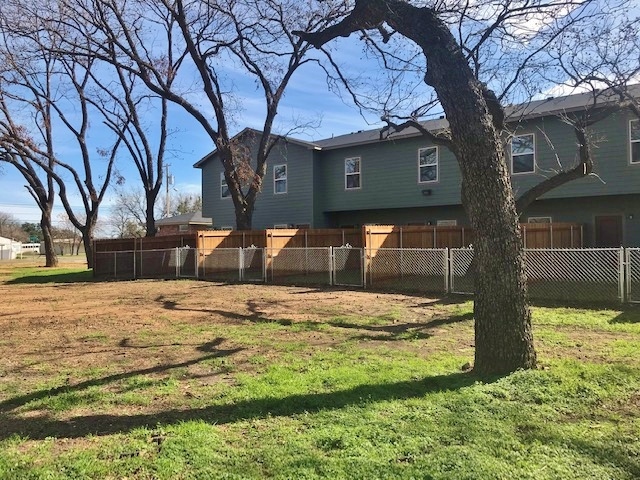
(428, 165)
(224, 188)
(279, 179)
(352, 173)
(634, 139)
(523, 153)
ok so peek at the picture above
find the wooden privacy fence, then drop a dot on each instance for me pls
(535, 235)
(280, 238)
(369, 237)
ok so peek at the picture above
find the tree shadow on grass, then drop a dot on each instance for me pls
(97, 424)
(208, 347)
(628, 315)
(402, 331)
(256, 316)
(67, 277)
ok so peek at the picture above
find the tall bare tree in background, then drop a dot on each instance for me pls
(462, 47)
(25, 86)
(185, 50)
(10, 228)
(129, 108)
(57, 91)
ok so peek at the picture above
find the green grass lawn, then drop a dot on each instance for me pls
(338, 395)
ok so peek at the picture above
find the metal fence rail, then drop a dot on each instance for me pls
(408, 269)
(633, 275)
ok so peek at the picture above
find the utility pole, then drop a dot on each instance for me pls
(169, 181)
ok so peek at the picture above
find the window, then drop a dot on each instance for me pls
(224, 188)
(352, 173)
(634, 139)
(279, 179)
(428, 165)
(447, 223)
(539, 220)
(183, 228)
(281, 225)
(523, 153)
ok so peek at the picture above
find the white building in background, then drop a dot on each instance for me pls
(9, 249)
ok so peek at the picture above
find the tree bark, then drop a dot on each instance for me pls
(504, 340)
(51, 258)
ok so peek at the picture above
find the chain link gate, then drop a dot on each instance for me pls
(461, 268)
(408, 269)
(253, 264)
(221, 264)
(348, 266)
(633, 275)
(299, 266)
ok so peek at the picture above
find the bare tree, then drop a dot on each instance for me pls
(185, 52)
(125, 105)
(22, 71)
(461, 42)
(57, 89)
(10, 228)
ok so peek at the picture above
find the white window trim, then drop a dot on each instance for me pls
(285, 179)
(281, 225)
(447, 223)
(534, 154)
(359, 173)
(533, 219)
(223, 183)
(437, 165)
(631, 142)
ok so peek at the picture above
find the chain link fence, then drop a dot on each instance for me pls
(222, 264)
(116, 265)
(408, 269)
(576, 275)
(348, 266)
(553, 274)
(462, 275)
(556, 274)
(633, 275)
(299, 266)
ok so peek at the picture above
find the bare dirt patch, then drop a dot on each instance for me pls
(78, 335)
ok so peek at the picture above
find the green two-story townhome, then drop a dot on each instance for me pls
(361, 178)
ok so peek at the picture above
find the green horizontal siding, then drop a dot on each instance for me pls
(293, 207)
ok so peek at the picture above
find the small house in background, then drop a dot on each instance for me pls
(185, 223)
(9, 249)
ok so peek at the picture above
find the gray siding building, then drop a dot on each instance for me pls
(361, 178)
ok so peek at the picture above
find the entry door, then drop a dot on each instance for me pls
(609, 231)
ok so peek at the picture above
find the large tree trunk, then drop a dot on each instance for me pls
(87, 239)
(504, 341)
(150, 219)
(244, 217)
(51, 259)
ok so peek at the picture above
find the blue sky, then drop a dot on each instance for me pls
(307, 98)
